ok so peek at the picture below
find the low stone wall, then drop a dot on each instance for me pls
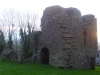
(13, 55)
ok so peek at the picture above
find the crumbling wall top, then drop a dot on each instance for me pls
(88, 19)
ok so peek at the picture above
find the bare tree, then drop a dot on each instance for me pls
(27, 18)
(12, 21)
(9, 24)
(27, 25)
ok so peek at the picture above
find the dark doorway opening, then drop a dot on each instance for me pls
(45, 56)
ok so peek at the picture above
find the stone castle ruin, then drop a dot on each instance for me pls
(68, 39)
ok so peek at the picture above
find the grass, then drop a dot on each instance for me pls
(11, 68)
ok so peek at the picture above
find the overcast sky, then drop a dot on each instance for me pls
(37, 6)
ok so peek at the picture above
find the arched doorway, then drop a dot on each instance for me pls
(44, 56)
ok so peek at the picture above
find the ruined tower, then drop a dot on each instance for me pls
(68, 39)
(90, 34)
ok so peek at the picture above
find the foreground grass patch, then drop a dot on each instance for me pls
(11, 68)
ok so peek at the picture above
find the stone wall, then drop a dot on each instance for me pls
(63, 35)
(90, 26)
(13, 55)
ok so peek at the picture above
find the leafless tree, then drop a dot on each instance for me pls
(12, 21)
(27, 18)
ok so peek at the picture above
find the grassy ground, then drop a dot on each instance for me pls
(11, 68)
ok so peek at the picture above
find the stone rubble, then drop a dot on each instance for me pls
(13, 55)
